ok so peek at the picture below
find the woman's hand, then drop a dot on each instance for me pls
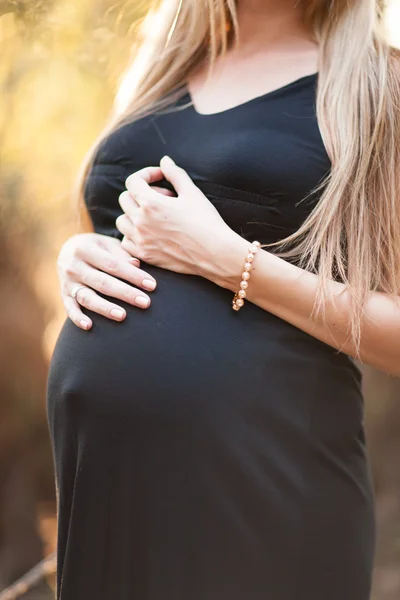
(184, 233)
(91, 262)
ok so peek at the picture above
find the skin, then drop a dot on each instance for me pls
(275, 48)
(204, 245)
(93, 262)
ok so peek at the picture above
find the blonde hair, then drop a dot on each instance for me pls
(353, 233)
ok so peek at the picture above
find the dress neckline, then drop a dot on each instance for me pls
(312, 77)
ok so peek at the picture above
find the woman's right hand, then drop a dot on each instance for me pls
(90, 262)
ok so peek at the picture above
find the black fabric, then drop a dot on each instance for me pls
(203, 454)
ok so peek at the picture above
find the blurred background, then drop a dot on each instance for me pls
(61, 61)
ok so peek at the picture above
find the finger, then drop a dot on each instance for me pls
(119, 252)
(129, 245)
(125, 226)
(101, 261)
(176, 176)
(128, 199)
(149, 174)
(138, 184)
(89, 246)
(89, 299)
(75, 314)
(129, 205)
(163, 191)
(110, 286)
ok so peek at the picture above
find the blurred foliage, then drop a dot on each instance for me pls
(60, 67)
(61, 62)
(58, 75)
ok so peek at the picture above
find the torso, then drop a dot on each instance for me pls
(202, 453)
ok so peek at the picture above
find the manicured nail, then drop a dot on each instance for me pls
(142, 301)
(117, 313)
(135, 261)
(168, 159)
(85, 324)
(149, 284)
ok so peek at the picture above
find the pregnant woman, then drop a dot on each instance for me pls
(211, 446)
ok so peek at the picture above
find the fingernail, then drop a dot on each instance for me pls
(168, 159)
(148, 284)
(142, 301)
(135, 261)
(84, 324)
(117, 313)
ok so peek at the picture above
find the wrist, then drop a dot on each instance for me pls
(229, 261)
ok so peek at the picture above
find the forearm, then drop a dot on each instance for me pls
(289, 293)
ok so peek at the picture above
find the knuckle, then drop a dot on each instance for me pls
(102, 286)
(78, 252)
(84, 298)
(104, 242)
(111, 265)
(69, 269)
(140, 198)
(149, 206)
(140, 226)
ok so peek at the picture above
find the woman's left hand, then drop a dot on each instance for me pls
(182, 233)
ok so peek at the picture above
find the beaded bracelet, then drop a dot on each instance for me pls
(238, 298)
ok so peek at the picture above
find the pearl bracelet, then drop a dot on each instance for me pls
(238, 298)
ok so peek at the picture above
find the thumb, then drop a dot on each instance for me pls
(176, 176)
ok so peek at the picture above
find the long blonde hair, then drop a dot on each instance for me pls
(353, 233)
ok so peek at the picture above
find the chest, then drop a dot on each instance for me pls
(256, 163)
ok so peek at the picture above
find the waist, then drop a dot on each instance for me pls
(188, 308)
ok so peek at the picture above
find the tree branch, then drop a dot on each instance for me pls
(30, 579)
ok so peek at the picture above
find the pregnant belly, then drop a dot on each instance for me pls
(190, 358)
(215, 429)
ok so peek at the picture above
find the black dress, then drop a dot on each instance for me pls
(200, 453)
